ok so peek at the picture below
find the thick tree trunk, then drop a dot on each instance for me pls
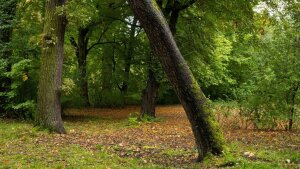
(129, 56)
(207, 132)
(49, 88)
(7, 16)
(149, 96)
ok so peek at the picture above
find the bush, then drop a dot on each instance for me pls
(22, 94)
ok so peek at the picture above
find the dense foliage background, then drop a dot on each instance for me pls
(239, 51)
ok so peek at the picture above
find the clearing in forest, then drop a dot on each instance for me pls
(113, 138)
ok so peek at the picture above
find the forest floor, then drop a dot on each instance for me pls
(113, 139)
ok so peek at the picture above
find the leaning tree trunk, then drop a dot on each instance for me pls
(207, 132)
(49, 88)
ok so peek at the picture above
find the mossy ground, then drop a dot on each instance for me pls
(104, 138)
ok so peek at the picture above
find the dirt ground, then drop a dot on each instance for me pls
(169, 141)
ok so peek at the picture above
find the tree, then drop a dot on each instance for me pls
(129, 56)
(269, 96)
(85, 17)
(7, 15)
(81, 47)
(149, 94)
(207, 132)
(49, 88)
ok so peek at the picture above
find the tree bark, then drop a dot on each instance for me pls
(81, 53)
(207, 132)
(149, 98)
(173, 21)
(129, 56)
(49, 88)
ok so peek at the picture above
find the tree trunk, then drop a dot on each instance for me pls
(7, 16)
(293, 102)
(82, 64)
(49, 88)
(173, 21)
(82, 51)
(129, 56)
(207, 132)
(107, 68)
(149, 96)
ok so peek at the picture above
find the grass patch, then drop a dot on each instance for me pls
(95, 142)
(19, 150)
(135, 119)
(264, 158)
(94, 125)
(178, 152)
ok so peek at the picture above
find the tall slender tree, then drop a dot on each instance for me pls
(207, 132)
(129, 56)
(49, 88)
(81, 47)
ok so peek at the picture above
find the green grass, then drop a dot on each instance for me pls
(264, 158)
(71, 156)
(177, 152)
(134, 119)
(19, 148)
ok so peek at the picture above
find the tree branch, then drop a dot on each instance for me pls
(186, 5)
(102, 43)
(126, 22)
(99, 39)
(73, 42)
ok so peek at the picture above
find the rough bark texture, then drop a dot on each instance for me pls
(207, 132)
(49, 88)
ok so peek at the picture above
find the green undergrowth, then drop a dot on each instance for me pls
(135, 119)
